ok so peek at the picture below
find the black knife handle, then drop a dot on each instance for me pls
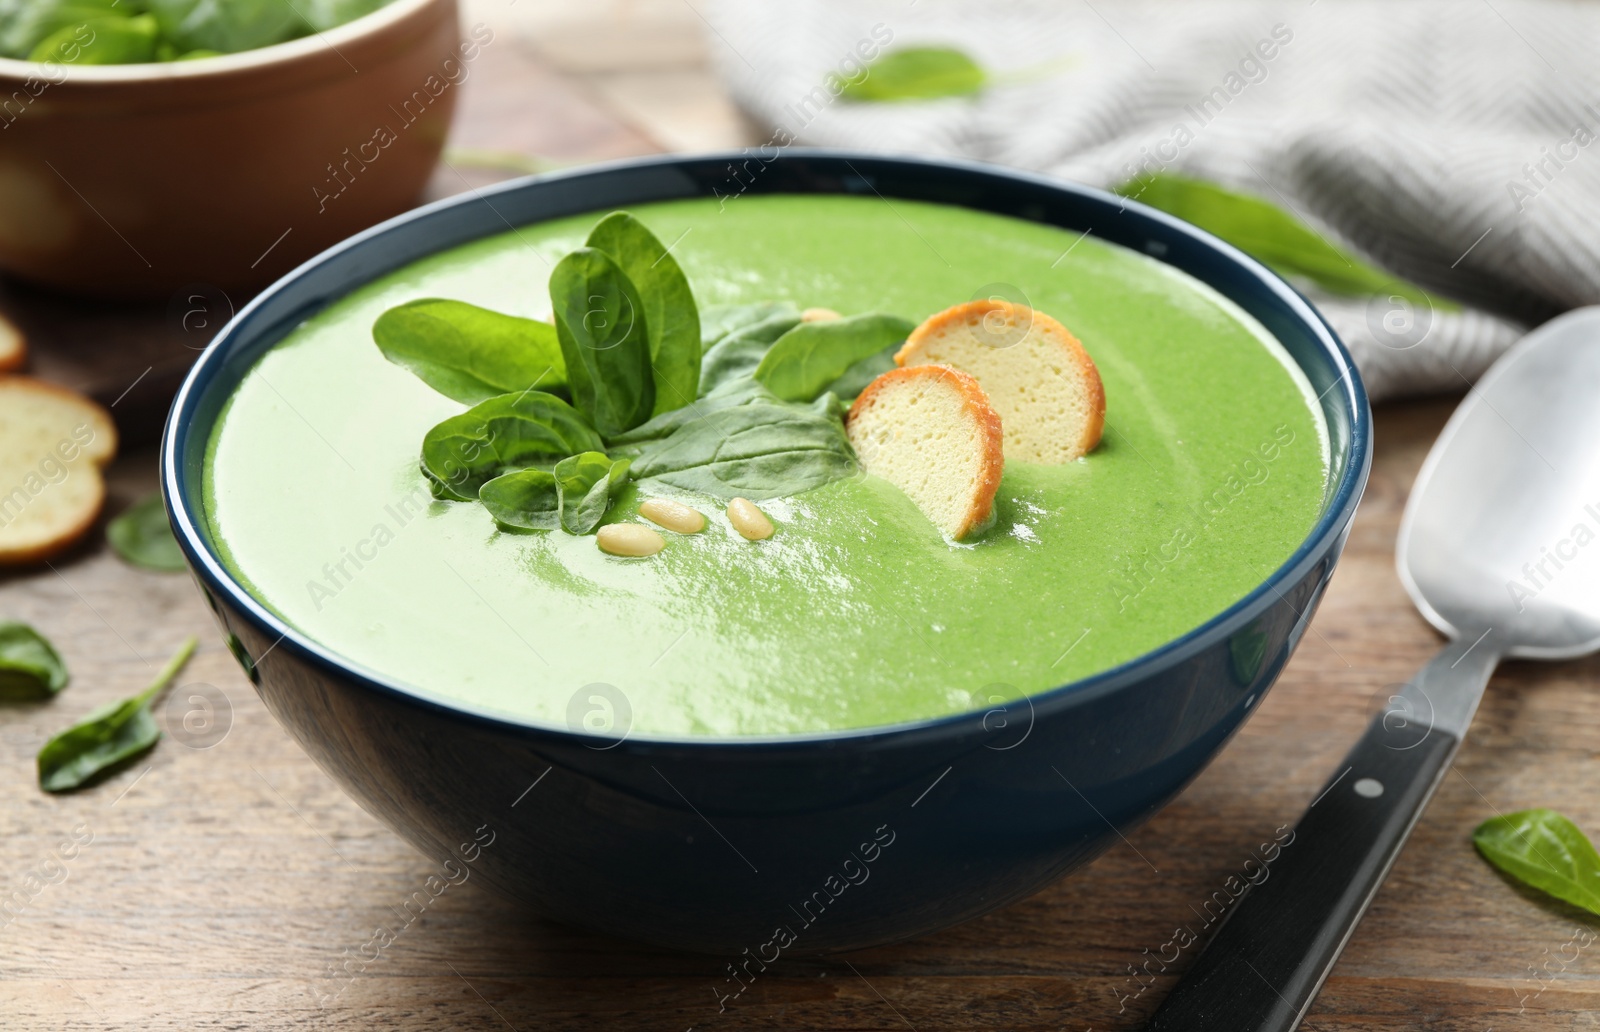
(1276, 946)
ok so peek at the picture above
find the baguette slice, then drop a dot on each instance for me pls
(53, 444)
(1036, 374)
(930, 431)
(13, 347)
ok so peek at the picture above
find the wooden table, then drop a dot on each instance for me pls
(218, 882)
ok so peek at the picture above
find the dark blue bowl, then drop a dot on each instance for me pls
(805, 843)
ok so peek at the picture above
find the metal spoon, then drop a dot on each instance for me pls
(1500, 550)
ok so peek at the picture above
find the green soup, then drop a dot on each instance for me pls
(856, 612)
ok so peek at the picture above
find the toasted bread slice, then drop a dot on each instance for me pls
(13, 347)
(930, 431)
(53, 444)
(1036, 374)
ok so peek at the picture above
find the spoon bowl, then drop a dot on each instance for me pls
(1502, 533)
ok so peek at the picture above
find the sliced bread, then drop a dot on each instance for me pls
(53, 444)
(930, 431)
(13, 347)
(1038, 377)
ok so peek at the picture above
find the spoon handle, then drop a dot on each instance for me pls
(1280, 939)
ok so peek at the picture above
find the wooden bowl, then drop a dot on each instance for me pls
(138, 180)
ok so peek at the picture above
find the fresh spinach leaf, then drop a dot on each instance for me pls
(739, 352)
(507, 433)
(1543, 849)
(321, 15)
(1273, 236)
(29, 665)
(143, 537)
(717, 321)
(854, 380)
(588, 482)
(226, 25)
(757, 450)
(528, 499)
(469, 353)
(804, 361)
(741, 391)
(101, 41)
(107, 736)
(917, 73)
(574, 496)
(670, 313)
(600, 322)
(26, 23)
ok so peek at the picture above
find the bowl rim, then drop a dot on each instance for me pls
(1340, 499)
(371, 23)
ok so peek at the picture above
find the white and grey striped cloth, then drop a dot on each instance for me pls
(1448, 140)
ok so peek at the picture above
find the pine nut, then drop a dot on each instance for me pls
(749, 521)
(675, 516)
(819, 315)
(629, 539)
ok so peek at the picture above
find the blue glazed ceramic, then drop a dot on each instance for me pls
(757, 848)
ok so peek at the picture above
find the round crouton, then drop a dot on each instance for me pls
(931, 432)
(53, 444)
(1036, 374)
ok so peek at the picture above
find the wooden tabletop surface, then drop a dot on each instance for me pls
(217, 883)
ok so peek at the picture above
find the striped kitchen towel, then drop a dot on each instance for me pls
(1449, 142)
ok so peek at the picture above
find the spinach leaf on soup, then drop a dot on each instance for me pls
(740, 351)
(854, 380)
(30, 668)
(605, 340)
(143, 537)
(529, 499)
(574, 496)
(670, 314)
(917, 73)
(107, 736)
(717, 321)
(743, 391)
(804, 361)
(1545, 850)
(507, 433)
(588, 484)
(469, 353)
(226, 25)
(756, 450)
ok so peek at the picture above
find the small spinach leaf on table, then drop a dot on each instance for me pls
(670, 314)
(588, 484)
(1545, 850)
(469, 353)
(30, 668)
(605, 340)
(917, 73)
(143, 537)
(510, 432)
(804, 361)
(757, 450)
(107, 736)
